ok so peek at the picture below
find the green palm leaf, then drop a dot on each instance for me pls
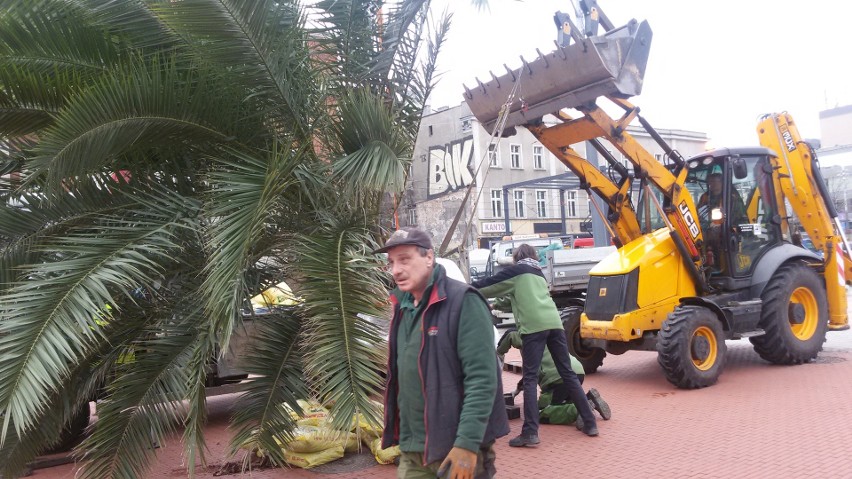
(247, 192)
(274, 121)
(274, 362)
(374, 155)
(143, 405)
(50, 321)
(262, 45)
(149, 104)
(343, 353)
(52, 37)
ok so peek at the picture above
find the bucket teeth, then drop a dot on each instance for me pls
(612, 64)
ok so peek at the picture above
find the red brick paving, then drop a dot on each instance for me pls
(759, 421)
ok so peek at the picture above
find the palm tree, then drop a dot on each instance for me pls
(169, 160)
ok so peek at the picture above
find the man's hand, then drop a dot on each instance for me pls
(462, 464)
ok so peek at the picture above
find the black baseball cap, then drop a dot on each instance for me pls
(406, 236)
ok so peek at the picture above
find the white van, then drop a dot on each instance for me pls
(477, 261)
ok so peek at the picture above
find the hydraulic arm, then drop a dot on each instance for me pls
(798, 180)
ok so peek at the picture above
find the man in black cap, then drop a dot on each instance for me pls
(444, 397)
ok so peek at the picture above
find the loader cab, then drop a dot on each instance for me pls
(735, 198)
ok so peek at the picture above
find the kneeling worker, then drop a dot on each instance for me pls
(554, 403)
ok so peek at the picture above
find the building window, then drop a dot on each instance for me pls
(538, 157)
(493, 156)
(515, 155)
(541, 203)
(519, 203)
(570, 204)
(412, 216)
(466, 124)
(497, 203)
(430, 130)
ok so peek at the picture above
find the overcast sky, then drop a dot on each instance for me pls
(715, 66)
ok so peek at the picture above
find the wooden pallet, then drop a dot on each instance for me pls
(513, 367)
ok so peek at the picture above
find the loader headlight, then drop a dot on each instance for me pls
(716, 215)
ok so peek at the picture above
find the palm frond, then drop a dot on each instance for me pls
(51, 320)
(153, 103)
(134, 22)
(32, 216)
(343, 351)
(373, 153)
(260, 43)
(143, 405)
(74, 393)
(196, 417)
(246, 192)
(274, 362)
(28, 102)
(401, 37)
(414, 77)
(347, 30)
(54, 37)
(17, 452)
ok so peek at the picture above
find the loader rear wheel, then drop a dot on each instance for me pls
(591, 358)
(794, 316)
(691, 347)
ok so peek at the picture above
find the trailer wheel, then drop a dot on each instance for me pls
(794, 316)
(591, 358)
(691, 347)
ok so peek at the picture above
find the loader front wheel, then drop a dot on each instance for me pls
(794, 316)
(691, 347)
(591, 358)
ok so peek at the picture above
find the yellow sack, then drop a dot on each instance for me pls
(314, 439)
(313, 413)
(292, 412)
(368, 431)
(383, 456)
(307, 460)
(278, 295)
(350, 442)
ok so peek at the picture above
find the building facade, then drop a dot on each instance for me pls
(515, 179)
(835, 155)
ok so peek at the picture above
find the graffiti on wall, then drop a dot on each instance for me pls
(450, 167)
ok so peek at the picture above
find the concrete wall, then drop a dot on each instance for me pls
(836, 126)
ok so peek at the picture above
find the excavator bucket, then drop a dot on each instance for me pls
(612, 64)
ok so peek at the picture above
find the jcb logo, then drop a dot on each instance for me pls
(690, 221)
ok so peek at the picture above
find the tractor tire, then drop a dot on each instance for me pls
(590, 358)
(691, 347)
(794, 316)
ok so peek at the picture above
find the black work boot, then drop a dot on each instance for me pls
(522, 441)
(589, 431)
(598, 404)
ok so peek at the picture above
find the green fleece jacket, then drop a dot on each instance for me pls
(478, 363)
(525, 287)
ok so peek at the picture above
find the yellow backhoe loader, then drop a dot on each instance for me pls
(708, 248)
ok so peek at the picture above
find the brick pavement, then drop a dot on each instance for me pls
(759, 421)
